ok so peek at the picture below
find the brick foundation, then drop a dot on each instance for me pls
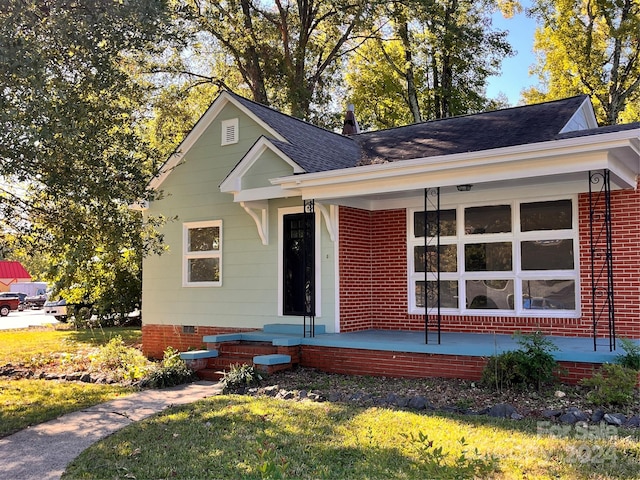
(156, 338)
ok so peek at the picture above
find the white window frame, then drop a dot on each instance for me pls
(317, 252)
(230, 134)
(517, 275)
(188, 255)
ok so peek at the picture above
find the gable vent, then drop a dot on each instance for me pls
(230, 131)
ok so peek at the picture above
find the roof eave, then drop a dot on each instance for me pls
(541, 159)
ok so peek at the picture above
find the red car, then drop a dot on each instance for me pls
(8, 302)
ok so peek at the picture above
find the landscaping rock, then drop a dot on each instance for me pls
(551, 413)
(597, 415)
(271, 390)
(633, 422)
(502, 410)
(418, 403)
(615, 418)
(568, 418)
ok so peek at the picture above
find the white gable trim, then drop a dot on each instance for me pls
(200, 127)
(583, 118)
(233, 182)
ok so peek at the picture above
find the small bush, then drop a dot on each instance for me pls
(613, 384)
(120, 362)
(239, 377)
(170, 372)
(631, 357)
(531, 365)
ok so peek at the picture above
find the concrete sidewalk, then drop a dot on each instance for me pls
(44, 451)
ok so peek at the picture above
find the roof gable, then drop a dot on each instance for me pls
(315, 149)
(198, 130)
(251, 176)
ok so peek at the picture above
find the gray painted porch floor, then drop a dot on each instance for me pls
(577, 349)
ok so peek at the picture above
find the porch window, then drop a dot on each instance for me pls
(202, 263)
(516, 257)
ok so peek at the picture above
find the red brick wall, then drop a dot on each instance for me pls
(415, 365)
(156, 338)
(356, 297)
(391, 364)
(625, 215)
(386, 281)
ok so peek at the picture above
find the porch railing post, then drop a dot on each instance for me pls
(435, 207)
(308, 259)
(601, 250)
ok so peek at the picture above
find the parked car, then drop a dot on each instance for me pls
(9, 303)
(21, 296)
(57, 308)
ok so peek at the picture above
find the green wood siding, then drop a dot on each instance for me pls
(248, 296)
(269, 166)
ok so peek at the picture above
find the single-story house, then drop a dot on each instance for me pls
(317, 243)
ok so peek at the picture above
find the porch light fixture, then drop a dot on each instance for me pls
(464, 188)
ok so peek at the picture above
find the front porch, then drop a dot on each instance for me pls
(393, 353)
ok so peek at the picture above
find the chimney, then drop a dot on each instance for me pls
(350, 126)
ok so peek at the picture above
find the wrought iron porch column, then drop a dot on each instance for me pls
(600, 237)
(431, 200)
(309, 270)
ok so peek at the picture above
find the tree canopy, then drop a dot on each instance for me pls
(592, 47)
(71, 156)
(427, 59)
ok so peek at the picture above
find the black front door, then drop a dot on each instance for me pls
(299, 272)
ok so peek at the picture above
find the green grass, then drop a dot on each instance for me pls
(28, 401)
(245, 437)
(34, 347)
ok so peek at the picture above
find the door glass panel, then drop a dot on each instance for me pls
(488, 257)
(549, 294)
(298, 267)
(547, 255)
(490, 294)
(490, 219)
(556, 215)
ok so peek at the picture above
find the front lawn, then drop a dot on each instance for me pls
(29, 401)
(246, 437)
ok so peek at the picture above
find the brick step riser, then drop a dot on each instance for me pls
(209, 374)
(247, 350)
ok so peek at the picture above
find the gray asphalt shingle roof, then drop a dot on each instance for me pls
(316, 149)
(470, 133)
(313, 148)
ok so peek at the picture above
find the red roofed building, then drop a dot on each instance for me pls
(12, 272)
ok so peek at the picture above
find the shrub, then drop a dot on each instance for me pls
(613, 384)
(531, 365)
(171, 371)
(120, 362)
(239, 377)
(631, 357)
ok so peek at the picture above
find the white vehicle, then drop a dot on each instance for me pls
(57, 308)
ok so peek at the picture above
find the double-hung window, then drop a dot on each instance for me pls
(202, 265)
(510, 258)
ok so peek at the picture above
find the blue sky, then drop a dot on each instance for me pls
(515, 70)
